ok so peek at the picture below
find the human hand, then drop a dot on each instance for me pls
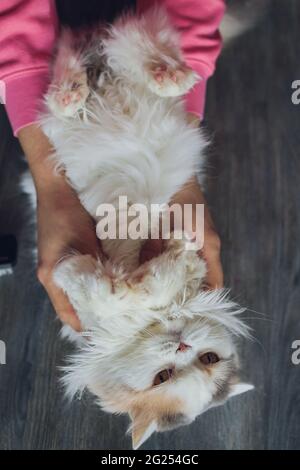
(63, 223)
(191, 193)
(63, 227)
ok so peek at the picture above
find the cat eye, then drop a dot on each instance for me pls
(163, 376)
(209, 358)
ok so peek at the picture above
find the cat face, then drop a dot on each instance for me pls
(182, 347)
(165, 375)
(177, 371)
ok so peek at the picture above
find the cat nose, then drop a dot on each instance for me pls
(182, 347)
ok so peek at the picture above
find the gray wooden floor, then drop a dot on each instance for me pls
(254, 195)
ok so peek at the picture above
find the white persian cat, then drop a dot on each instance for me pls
(157, 346)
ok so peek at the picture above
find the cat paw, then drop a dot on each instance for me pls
(168, 81)
(74, 272)
(67, 99)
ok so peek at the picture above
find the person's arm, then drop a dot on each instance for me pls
(63, 223)
(197, 22)
(27, 33)
(28, 29)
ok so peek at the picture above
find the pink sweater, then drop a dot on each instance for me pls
(28, 29)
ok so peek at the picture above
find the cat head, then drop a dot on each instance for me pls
(167, 373)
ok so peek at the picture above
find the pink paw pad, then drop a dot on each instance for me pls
(162, 72)
(70, 97)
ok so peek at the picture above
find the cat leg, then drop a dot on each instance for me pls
(166, 72)
(87, 286)
(170, 80)
(159, 280)
(69, 90)
(146, 51)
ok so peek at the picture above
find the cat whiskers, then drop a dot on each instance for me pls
(148, 333)
(87, 113)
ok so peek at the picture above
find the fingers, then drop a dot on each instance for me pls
(211, 253)
(63, 308)
(59, 300)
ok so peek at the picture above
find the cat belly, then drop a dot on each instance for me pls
(145, 161)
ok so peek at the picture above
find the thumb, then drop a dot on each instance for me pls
(62, 306)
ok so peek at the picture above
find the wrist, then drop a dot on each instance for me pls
(38, 151)
(47, 179)
(53, 190)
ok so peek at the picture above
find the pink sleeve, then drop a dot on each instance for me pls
(28, 30)
(197, 22)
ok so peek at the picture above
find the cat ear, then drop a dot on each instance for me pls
(143, 425)
(239, 388)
